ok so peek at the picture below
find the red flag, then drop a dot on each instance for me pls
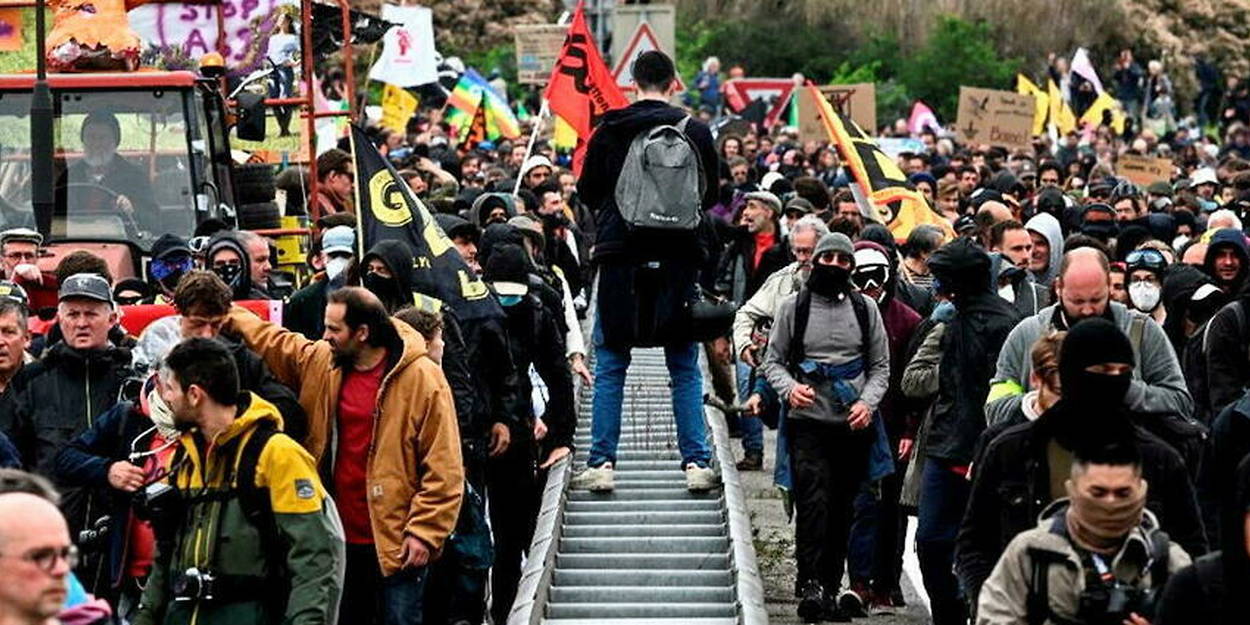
(582, 88)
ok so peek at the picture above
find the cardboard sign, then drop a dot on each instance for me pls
(398, 106)
(537, 48)
(991, 117)
(857, 101)
(1143, 170)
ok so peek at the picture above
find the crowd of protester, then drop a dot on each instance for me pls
(1057, 393)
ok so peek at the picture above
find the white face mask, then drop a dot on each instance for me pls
(1144, 295)
(162, 417)
(1007, 292)
(336, 266)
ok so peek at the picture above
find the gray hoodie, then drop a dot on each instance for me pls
(1158, 385)
(833, 336)
(1046, 225)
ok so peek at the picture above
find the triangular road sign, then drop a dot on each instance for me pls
(643, 40)
(775, 92)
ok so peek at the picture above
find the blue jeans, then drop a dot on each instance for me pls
(371, 599)
(943, 498)
(687, 385)
(862, 544)
(752, 427)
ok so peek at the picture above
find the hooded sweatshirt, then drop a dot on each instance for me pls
(1224, 239)
(1047, 226)
(241, 286)
(487, 202)
(398, 259)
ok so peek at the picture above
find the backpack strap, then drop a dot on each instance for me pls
(1159, 560)
(253, 499)
(1037, 603)
(802, 312)
(859, 304)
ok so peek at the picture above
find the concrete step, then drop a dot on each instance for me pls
(638, 561)
(647, 517)
(642, 577)
(594, 531)
(642, 594)
(654, 544)
(675, 493)
(641, 610)
(704, 505)
(641, 621)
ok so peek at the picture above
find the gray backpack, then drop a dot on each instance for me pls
(661, 184)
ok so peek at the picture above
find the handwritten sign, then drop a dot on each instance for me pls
(991, 117)
(193, 27)
(1143, 170)
(537, 48)
(398, 106)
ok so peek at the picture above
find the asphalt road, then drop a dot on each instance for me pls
(774, 546)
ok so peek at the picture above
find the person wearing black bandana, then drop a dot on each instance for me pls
(1024, 469)
(828, 357)
(228, 258)
(1098, 221)
(171, 259)
(387, 272)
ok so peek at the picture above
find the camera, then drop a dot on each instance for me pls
(96, 536)
(1109, 605)
(194, 585)
(159, 504)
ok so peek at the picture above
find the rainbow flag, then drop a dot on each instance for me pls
(471, 91)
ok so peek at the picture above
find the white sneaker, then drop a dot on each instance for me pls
(595, 479)
(699, 479)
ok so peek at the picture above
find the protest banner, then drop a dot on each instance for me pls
(398, 106)
(537, 48)
(408, 52)
(1143, 170)
(192, 27)
(857, 101)
(992, 117)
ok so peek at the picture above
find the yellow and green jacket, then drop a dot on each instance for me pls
(286, 568)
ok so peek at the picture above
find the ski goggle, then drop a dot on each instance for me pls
(1146, 259)
(870, 277)
(164, 267)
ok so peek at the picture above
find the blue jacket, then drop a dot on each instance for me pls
(9, 456)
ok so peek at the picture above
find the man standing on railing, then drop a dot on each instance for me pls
(650, 245)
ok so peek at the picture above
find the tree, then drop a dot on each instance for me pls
(957, 53)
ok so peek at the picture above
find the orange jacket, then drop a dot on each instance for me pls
(415, 473)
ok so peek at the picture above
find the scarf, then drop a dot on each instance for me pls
(1100, 526)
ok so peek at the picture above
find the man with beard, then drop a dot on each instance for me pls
(285, 569)
(953, 366)
(1022, 471)
(1227, 261)
(381, 420)
(828, 357)
(1083, 287)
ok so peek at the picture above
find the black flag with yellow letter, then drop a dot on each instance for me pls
(387, 210)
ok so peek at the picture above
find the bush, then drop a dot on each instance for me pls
(957, 53)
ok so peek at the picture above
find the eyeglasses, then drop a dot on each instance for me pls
(19, 256)
(47, 557)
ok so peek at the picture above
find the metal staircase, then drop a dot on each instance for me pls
(650, 553)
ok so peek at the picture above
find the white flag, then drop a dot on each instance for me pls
(1083, 68)
(408, 54)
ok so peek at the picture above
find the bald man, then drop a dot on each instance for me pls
(1084, 289)
(35, 559)
(990, 213)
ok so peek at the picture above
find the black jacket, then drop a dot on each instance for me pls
(1230, 438)
(84, 462)
(605, 157)
(483, 379)
(650, 275)
(255, 376)
(534, 337)
(397, 257)
(738, 277)
(970, 347)
(1011, 487)
(1223, 346)
(54, 400)
(305, 312)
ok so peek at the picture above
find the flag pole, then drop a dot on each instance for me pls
(538, 126)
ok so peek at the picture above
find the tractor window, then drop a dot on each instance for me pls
(124, 165)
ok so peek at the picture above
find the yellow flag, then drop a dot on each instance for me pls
(1060, 113)
(563, 136)
(1041, 102)
(891, 198)
(1104, 103)
(398, 106)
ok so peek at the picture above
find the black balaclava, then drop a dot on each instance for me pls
(829, 280)
(1091, 410)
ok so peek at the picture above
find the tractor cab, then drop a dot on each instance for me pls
(136, 155)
